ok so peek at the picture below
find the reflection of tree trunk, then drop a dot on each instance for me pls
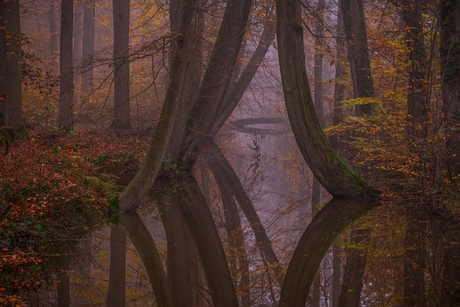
(235, 238)
(315, 201)
(63, 286)
(451, 268)
(414, 263)
(201, 225)
(179, 249)
(146, 247)
(221, 166)
(354, 270)
(336, 274)
(117, 277)
(330, 221)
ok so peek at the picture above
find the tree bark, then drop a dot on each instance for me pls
(450, 58)
(66, 65)
(10, 65)
(144, 179)
(89, 24)
(117, 273)
(417, 97)
(358, 52)
(121, 116)
(204, 111)
(63, 286)
(333, 174)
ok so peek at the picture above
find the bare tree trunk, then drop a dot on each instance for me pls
(417, 97)
(53, 34)
(89, 24)
(77, 48)
(121, 116)
(333, 174)
(358, 52)
(144, 179)
(117, 275)
(66, 64)
(10, 66)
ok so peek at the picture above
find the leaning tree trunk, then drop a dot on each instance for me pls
(333, 174)
(10, 66)
(66, 64)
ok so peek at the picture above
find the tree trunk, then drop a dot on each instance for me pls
(333, 174)
(450, 58)
(117, 277)
(204, 111)
(144, 179)
(66, 65)
(89, 24)
(358, 53)
(53, 34)
(417, 97)
(77, 48)
(121, 116)
(330, 221)
(10, 66)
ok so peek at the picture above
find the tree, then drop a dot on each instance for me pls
(66, 64)
(88, 47)
(358, 52)
(121, 116)
(10, 66)
(335, 177)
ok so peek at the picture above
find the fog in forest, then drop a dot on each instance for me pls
(229, 153)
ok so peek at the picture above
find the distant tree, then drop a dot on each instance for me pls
(66, 64)
(121, 116)
(10, 66)
(358, 52)
(88, 46)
